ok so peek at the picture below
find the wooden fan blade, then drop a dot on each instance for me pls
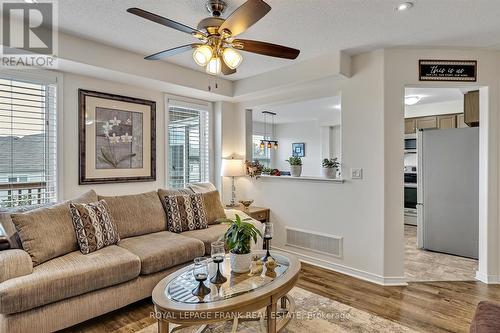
(268, 49)
(171, 52)
(245, 16)
(226, 70)
(164, 21)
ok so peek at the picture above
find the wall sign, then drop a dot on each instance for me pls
(448, 70)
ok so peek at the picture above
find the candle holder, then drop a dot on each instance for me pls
(218, 253)
(267, 236)
(200, 273)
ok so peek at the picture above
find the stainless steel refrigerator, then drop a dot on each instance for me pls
(448, 191)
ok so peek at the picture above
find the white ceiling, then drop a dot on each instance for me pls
(435, 95)
(326, 110)
(316, 27)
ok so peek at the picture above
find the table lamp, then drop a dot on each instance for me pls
(232, 167)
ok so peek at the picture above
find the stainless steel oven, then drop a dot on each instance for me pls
(410, 186)
(410, 143)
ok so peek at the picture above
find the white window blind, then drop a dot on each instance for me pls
(28, 147)
(188, 142)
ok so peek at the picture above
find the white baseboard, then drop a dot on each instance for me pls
(489, 279)
(359, 274)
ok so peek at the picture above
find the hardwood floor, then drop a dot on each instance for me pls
(423, 306)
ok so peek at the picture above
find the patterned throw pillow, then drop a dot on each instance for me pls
(94, 226)
(185, 212)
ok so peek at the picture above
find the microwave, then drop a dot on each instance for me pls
(411, 143)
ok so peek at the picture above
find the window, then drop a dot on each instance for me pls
(188, 142)
(263, 155)
(28, 160)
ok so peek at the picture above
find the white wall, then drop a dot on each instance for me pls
(434, 109)
(306, 132)
(353, 210)
(71, 84)
(368, 213)
(401, 67)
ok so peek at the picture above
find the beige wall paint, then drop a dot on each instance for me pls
(71, 84)
(353, 210)
(368, 213)
(400, 71)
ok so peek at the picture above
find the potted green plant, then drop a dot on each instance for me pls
(238, 239)
(295, 166)
(330, 167)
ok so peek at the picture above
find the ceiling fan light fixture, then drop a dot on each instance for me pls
(214, 66)
(202, 55)
(232, 58)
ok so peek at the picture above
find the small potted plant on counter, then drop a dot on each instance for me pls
(295, 166)
(238, 239)
(330, 167)
(267, 171)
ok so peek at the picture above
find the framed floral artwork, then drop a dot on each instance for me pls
(117, 138)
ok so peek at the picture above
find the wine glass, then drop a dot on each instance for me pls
(200, 273)
(267, 234)
(218, 253)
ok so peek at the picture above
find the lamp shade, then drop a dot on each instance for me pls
(232, 168)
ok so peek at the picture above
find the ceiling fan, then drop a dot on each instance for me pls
(217, 49)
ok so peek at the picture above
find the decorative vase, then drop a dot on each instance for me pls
(240, 263)
(330, 173)
(295, 170)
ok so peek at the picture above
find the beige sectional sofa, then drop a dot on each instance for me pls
(44, 296)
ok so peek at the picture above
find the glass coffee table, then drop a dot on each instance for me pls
(239, 298)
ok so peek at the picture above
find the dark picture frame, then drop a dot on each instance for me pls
(447, 70)
(299, 149)
(140, 155)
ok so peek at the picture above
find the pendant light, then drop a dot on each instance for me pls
(270, 140)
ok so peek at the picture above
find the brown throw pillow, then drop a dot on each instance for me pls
(94, 226)
(47, 232)
(213, 207)
(185, 212)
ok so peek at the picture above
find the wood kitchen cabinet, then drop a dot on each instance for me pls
(447, 121)
(471, 108)
(410, 126)
(426, 122)
(444, 121)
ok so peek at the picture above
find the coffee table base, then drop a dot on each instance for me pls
(273, 314)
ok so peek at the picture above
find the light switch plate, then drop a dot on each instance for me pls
(356, 173)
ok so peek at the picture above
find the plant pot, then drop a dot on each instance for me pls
(240, 263)
(295, 170)
(330, 173)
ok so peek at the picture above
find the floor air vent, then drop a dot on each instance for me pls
(316, 242)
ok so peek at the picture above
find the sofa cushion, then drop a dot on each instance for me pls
(162, 250)
(67, 276)
(202, 187)
(48, 232)
(162, 193)
(94, 226)
(8, 225)
(137, 214)
(213, 207)
(185, 212)
(211, 199)
(208, 236)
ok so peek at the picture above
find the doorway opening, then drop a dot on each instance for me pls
(441, 184)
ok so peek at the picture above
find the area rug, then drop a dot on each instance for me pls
(314, 314)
